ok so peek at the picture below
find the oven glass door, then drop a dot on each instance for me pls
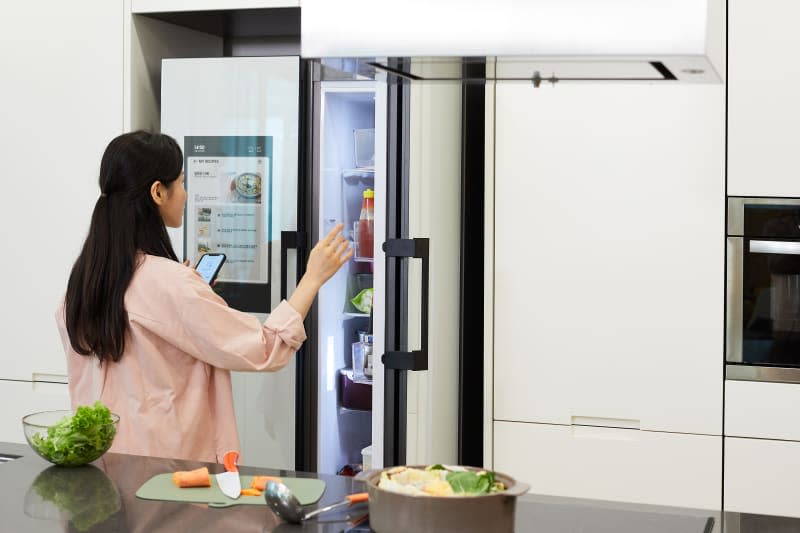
(763, 289)
(771, 302)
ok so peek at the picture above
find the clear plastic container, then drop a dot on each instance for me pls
(368, 356)
(359, 360)
(364, 141)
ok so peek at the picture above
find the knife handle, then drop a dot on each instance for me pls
(230, 460)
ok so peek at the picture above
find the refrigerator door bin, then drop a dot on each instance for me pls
(357, 282)
(355, 394)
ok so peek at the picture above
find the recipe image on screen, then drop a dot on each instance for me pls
(209, 265)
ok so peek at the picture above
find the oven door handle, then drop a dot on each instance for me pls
(775, 247)
(734, 280)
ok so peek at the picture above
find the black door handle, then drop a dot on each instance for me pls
(415, 359)
(289, 239)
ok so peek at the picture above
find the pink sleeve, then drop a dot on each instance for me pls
(205, 327)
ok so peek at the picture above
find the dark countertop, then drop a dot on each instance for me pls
(101, 498)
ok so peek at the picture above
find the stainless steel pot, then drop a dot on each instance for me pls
(391, 512)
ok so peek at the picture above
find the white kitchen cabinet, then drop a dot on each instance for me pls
(20, 398)
(761, 476)
(609, 256)
(763, 109)
(762, 410)
(612, 464)
(61, 105)
(166, 6)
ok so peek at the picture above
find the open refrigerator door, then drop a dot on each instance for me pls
(349, 191)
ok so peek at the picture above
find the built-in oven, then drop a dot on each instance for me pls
(763, 289)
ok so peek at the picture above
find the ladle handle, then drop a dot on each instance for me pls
(349, 500)
(358, 497)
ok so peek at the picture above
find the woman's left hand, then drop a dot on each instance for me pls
(187, 263)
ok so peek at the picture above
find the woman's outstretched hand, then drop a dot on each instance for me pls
(325, 259)
(328, 256)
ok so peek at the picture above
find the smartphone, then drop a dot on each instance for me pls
(209, 265)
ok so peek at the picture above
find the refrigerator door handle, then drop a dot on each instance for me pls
(416, 359)
(289, 239)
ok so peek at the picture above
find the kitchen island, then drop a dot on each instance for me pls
(36, 496)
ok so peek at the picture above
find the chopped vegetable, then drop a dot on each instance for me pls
(78, 439)
(363, 300)
(251, 492)
(260, 482)
(471, 482)
(192, 478)
(439, 480)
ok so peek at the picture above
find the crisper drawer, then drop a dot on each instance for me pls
(612, 464)
(20, 398)
(762, 410)
(762, 476)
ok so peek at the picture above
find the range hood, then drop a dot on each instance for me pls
(538, 41)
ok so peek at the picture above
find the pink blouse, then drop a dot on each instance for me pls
(172, 387)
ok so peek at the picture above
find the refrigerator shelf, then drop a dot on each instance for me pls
(346, 410)
(363, 259)
(356, 315)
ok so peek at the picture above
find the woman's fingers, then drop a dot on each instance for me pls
(344, 245)
(329, 237)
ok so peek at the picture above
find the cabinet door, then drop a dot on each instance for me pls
(612, 464)
(761, 476)
(762, 410)
(763, 109)
(19, 398)
(609, 256)
(61, 105)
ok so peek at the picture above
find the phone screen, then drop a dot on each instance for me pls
(209, 265)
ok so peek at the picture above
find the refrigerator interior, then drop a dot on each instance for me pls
(347, 169)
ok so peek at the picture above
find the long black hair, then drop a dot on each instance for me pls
(125, 221)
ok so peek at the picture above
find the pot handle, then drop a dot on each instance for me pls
(518, 489)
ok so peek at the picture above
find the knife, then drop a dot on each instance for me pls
(228, 481)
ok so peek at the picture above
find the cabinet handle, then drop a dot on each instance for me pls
(41, 377)
(617, 423)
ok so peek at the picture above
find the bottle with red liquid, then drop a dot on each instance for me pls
(366, 224)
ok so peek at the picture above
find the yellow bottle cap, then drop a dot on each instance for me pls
(369, 193)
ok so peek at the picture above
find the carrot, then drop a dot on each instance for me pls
(251, 492)
(260, 482)
(192, 478)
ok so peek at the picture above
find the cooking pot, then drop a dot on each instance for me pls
(392, 512)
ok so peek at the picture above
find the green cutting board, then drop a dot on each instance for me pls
(161, 487)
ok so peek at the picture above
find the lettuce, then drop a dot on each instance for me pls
(363, 300)
(471, 482)
(78, 439)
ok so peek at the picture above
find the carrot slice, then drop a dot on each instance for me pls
(192, 478)
(260, 482)
(251, 492)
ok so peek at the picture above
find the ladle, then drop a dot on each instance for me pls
(286, 505)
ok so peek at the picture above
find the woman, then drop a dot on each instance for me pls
(146, 335)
